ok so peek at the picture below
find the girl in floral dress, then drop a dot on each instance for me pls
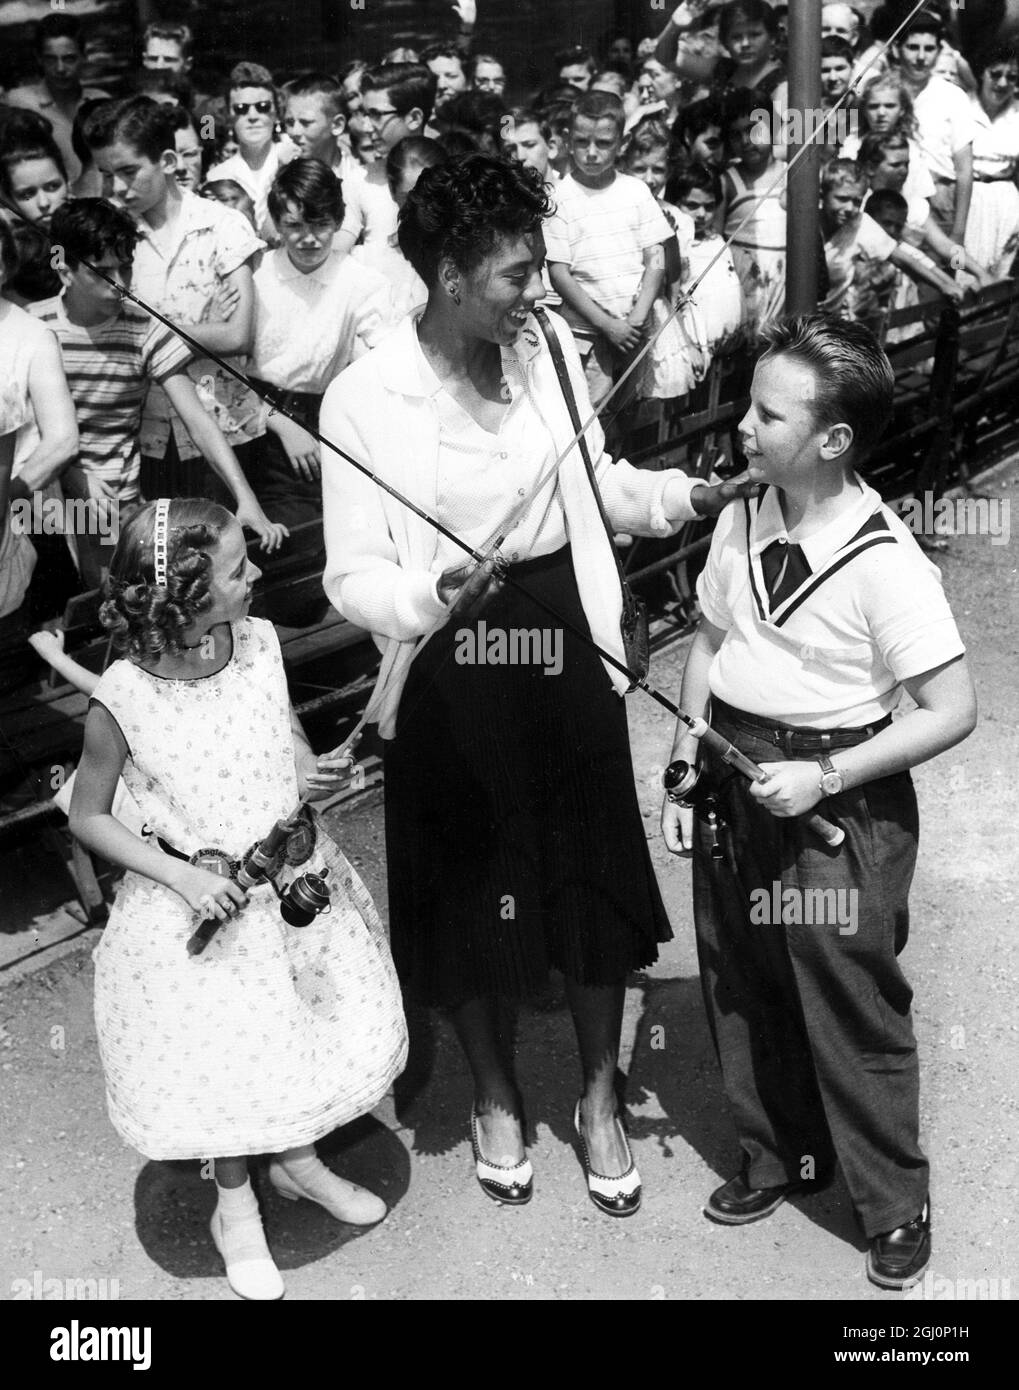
(273, 1036)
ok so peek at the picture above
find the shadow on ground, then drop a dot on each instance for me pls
(174, 1204)
(673, 1074)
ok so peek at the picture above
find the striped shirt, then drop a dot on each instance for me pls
(109, 367)
(601, 235)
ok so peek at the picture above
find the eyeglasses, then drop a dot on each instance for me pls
(379, 118)
(241, 108)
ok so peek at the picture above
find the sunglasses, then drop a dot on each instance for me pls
(241, 108)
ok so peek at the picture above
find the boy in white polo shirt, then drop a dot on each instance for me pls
(819, 608)
(945, 123)
(316, 311)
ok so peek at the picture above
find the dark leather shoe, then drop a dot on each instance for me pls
(736, 1204)
(897, 1258)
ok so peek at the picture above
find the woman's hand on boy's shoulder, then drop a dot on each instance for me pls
(708, 499)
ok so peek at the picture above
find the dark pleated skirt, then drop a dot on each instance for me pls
(513, 835)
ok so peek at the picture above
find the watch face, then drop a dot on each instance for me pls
(831, 783)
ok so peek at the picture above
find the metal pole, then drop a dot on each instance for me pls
(803, 215)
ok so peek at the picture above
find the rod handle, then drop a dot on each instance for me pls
(831, 834)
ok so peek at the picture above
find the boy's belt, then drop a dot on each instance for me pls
(303, 403)
(794, 740)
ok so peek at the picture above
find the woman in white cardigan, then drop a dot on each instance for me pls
(514, 839)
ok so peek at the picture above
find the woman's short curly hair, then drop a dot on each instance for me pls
(463, 209)
(144, 618)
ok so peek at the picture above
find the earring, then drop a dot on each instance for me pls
(453, 295)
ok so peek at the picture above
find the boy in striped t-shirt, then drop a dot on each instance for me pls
(112, 351)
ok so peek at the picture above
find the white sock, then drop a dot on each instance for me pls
(236, 1201)
(302, 1162)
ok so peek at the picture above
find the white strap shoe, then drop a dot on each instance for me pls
(250, 1269)
(315, 1182)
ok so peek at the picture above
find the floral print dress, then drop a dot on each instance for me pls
(274, 1035)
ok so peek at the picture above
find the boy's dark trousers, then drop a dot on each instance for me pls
(283, 494)
(811, 1021)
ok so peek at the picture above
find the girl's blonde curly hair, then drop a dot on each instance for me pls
(144, 618)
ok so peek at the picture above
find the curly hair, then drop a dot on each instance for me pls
(462, 210)
(144, 618)
(891, 82)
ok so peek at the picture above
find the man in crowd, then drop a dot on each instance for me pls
(59, 49)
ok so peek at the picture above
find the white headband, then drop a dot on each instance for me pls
(160, 537)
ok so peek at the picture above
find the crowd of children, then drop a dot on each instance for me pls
(665, 165)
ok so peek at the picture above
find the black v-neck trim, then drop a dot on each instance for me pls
(875, 526)
(196, 680)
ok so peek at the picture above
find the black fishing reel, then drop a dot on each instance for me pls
(685, 786)
(682, 783)
(305, 899)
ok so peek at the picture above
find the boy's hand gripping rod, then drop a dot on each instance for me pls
(729, 753)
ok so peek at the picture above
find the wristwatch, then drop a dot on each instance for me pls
(832, 780)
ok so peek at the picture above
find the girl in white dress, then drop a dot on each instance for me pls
(992, 230)
(273, 1036)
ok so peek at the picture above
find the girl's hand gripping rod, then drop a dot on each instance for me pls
(722, 748)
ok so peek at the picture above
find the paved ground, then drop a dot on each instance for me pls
(79, 1205)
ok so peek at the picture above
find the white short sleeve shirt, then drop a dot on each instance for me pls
(834, 653)
(945, 124)
(308, 327)
(601, 235)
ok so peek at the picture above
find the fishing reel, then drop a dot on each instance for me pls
(305, 899)
(683, 785)
(290, 843)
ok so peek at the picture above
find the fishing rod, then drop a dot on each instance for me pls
(487, 565)
(491, 565)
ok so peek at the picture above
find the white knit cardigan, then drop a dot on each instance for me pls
(382, 561)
